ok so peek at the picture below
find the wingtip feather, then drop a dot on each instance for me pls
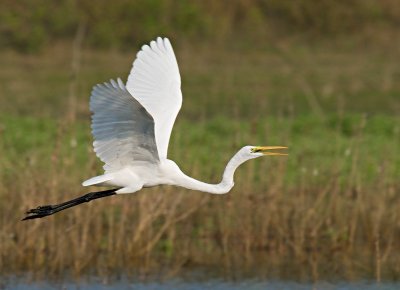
(120, 83)
(153, 44)
(167, 44)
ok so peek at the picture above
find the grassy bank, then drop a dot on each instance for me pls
(336, 193)
(332, 206)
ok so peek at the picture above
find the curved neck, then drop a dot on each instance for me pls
(224, 186)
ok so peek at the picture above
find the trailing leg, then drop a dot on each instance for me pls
(46, 210)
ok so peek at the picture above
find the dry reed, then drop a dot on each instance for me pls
(296, 217)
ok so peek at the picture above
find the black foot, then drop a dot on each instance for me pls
(46, 210)
(40, 211)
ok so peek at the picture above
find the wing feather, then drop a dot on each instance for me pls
(156, 84)
(122, 128)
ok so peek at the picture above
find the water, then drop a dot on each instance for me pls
(215, 284)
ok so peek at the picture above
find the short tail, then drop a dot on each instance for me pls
(98, 180)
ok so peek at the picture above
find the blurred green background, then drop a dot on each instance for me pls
(32, 25)
(321, 77)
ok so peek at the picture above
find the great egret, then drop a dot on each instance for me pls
(132, 124)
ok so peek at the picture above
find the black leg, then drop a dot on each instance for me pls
(46, 210)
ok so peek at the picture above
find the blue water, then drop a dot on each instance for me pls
(214, 284)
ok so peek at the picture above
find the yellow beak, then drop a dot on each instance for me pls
(264, 150)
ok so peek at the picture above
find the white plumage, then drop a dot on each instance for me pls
(132, 125)
(156, 83)
(123, 130)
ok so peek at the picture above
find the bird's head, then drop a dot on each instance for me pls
(258, 151)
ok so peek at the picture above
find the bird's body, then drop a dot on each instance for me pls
(133, 178)
(132, 124)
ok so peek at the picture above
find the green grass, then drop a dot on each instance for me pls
(335, 194)
(318, 148)
(240, 83)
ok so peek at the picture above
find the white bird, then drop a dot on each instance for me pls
(132, 124)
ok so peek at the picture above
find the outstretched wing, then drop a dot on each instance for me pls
(156, 83)
(123, 130)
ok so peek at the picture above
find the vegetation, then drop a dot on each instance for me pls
(32, 25)
(253, 72)
(335, 196)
